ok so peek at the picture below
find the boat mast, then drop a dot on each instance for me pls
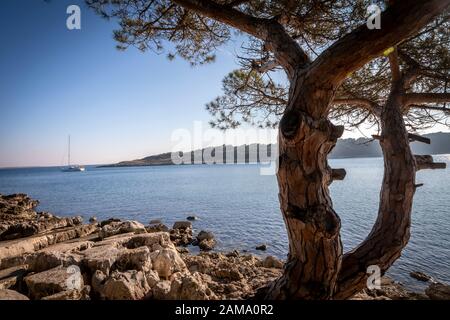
(69, 152)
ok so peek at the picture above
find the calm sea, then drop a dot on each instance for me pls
(241, 206)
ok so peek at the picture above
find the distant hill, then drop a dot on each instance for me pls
(345, 148)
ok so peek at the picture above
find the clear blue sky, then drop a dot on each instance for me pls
(116, 105)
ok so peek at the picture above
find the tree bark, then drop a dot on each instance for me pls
(391, 231)
(315, 249)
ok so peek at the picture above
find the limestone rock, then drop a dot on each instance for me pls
(134, 259)
(189, 287)
(205, 240)
(207, 244)
(438, 291)
(129, 285)
(182, 225)
(6, 294)
(420, 276)
(73, 294)
(161, 290)
(205, 235)
(262, 247)
(109, 221)
(272, 262)
(21, 247)
(114, 228)
(12, 277)
(53, 281)
(100, 258)
(152, 278)
(166, 262)
(157, 227)
(181, 236)
(18, 218)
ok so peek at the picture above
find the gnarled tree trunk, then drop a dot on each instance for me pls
(315, 249)
(391, 231)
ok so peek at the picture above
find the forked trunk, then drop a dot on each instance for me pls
(315, 249)
(316, 267)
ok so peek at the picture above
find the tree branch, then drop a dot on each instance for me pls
(401, 20)
(366, 103)
(420, 98)
(427, 107)
(287, 52)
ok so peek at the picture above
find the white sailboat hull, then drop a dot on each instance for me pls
(74, 169)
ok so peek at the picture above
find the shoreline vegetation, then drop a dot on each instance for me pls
(256, 153)
(43, 256)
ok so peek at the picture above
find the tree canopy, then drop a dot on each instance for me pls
(256, 93)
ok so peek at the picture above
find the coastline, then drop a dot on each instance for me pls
(43, 256)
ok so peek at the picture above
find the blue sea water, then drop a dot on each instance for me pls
(241, 206)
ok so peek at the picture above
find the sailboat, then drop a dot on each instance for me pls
(72, 168)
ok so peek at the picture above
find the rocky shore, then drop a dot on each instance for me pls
(43, 256)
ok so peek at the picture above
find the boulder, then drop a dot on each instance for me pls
(53, 281)
(182, 250)
(420, 276)
(182, 225)
(6, 294)
(152, 278)
(12, 277)
(230, 274)
(114, 228)
(129, 285)
(92, 220)
(272, 262)
(98, 281)
(155, 221)
(181, 237)
(109, 221)
(205, 240)
(207, 244)
(262, 247)
(166, 262)
(157, 227)
(161, 290)
(205, 235)
(134, 259)
(100, 258)
(73, 294)
(187, 286)
(192, 218)
(155, 241)
(438, 291)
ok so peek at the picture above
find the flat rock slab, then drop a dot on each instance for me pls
(53, 281)
(12, 276)
(19, 247)
(7, 294)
